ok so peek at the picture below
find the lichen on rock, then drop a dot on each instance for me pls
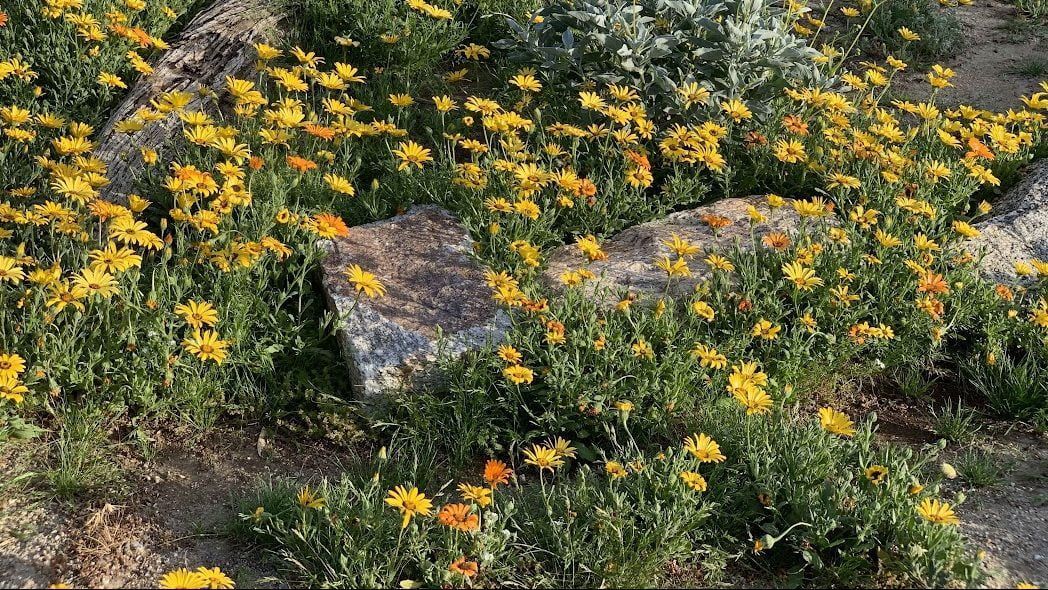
(436, 299)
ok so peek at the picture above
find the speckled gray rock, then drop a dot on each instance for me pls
(631, 254)
(1018, 228)
(436, 299)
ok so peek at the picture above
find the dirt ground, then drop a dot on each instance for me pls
(175, 516)
(1008, 520)
(993, 68)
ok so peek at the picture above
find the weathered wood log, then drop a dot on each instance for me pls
(215, 44)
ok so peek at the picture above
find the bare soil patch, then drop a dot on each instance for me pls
(1008, 520)
(992, 68)
(175, 516)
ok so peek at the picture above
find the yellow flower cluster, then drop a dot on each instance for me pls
(202, 577)
(429, 10)
(11, 368)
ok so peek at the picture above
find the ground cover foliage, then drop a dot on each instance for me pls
(601, 444)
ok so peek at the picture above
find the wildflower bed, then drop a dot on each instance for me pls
(193, 300)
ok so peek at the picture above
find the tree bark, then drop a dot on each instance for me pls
(215, 44)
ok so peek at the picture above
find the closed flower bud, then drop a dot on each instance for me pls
(948, 471)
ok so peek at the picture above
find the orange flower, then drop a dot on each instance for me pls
(754, 139)
(496, 472)
(857, 333)
(134, 34)
(320, 131)
(539, 306)
(715, 221)
(933, 283)
(463, 567)
(586, 188)
(795, 124)
(189, 172)
(256, 162)
(776, 240)
(639, 159)
(3, 19)
(458, 516)
(327, 225)
(141, 37)
(1004, 292)
(978, 149)
(301, 164)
